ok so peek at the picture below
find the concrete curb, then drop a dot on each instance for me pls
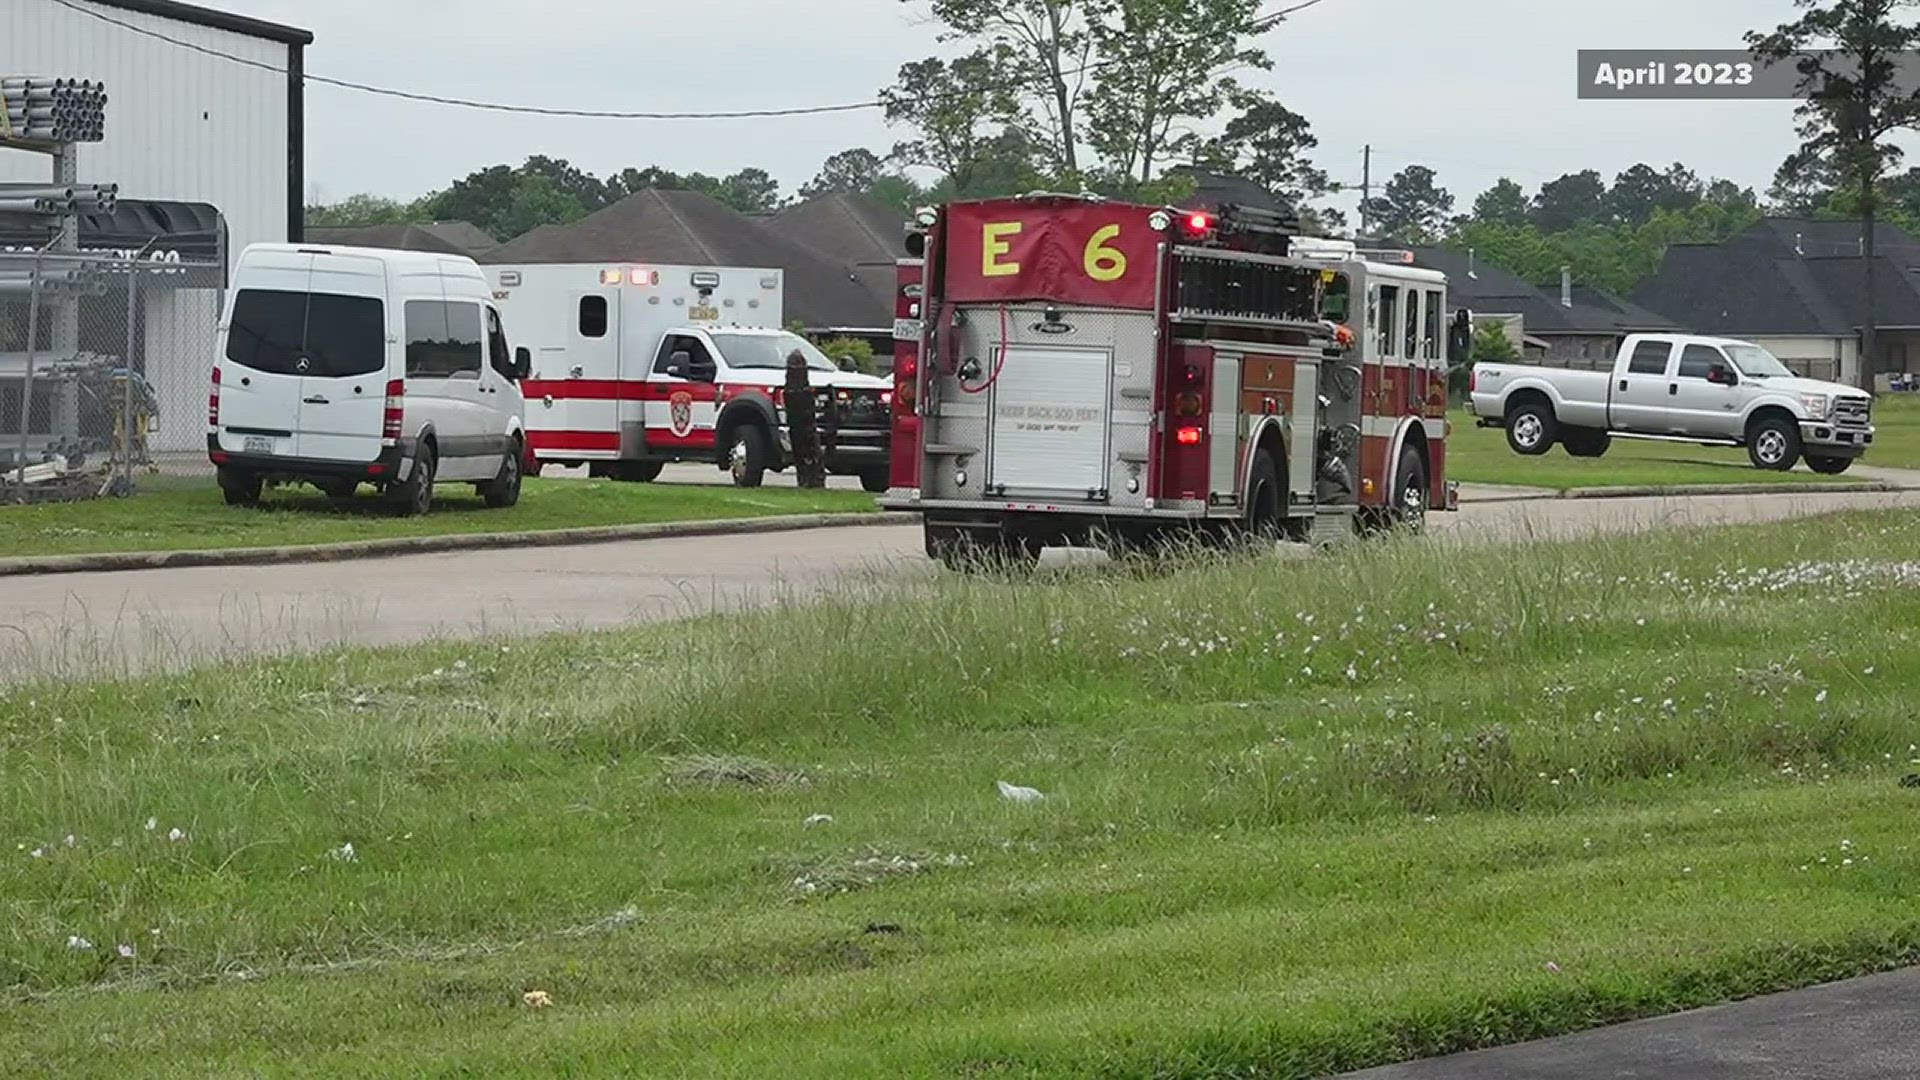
(415, 545)
(1688, 490)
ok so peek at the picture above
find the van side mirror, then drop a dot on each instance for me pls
(522, 364)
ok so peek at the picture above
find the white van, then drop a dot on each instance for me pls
(341, 366)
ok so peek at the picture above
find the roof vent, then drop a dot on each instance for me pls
(1566, 286)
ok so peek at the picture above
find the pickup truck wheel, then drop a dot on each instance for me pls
(749, 455)
(1586, 442)
(1531, 428)
(1829, 466)
(1774, 444)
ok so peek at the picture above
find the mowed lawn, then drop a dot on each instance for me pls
(1896, 440)
(1299, 816)
(173, 514)
(1477, 455)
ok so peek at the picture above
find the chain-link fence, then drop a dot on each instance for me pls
(104, 362)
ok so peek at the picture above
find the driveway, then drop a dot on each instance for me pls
(1863, 1029)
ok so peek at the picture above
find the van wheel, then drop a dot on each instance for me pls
(1829, 466)
(1773, 444)
(503, 491)
(414, 495)
(240, 488)
(1531, 428)
(876, 480)
(749, 455)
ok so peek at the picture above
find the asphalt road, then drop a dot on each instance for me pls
(73, 624)
(1863, 1029)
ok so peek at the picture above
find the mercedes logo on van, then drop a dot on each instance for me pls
(301, 365)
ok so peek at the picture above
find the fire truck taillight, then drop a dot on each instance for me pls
(1188, 436)
(394, 419)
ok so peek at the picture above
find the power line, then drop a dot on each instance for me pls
(1260, 24)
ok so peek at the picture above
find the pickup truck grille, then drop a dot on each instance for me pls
(1853, 412)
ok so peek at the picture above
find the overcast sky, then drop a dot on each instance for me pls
(1476, 89)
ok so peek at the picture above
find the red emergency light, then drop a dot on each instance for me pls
(1200, 223)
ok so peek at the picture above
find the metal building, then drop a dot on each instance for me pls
(205, 138)
(205, 106)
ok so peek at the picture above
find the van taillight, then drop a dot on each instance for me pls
(213, 401)
(395, 418)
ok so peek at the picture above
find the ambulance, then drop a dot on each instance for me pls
(639, 366)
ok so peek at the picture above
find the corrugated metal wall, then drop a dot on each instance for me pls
(180, 124)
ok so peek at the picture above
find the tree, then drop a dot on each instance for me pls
(1163, 64)
(1855, 103)
(535, 200)
(849, 172)
(1574, 199)
(1413, 208)
(585, 188)
(1505, 203)
(954, 108)
(750, 191)
(1641, 190)
(369, 210)
(1268, 144)
(1042, 48)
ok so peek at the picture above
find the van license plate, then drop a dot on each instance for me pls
(259, 444)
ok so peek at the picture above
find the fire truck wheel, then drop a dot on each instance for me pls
(964, 549)
(1586, 442)
(1266, 505)
(1531, 428)
(749, 455)
(240, 488)
(1411, 493)
(876, 480)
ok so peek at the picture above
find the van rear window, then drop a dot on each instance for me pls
(337, 336)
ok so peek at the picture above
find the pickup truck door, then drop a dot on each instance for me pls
(1701, 407)
(1640, 398)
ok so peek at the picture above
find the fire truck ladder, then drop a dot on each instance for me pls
(1249, 289)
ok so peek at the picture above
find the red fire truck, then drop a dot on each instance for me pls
(1071, 370)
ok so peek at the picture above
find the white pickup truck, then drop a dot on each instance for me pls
(1680, 388)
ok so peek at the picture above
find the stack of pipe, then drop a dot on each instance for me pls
(19, 281)
(56, 199)
(53, 110)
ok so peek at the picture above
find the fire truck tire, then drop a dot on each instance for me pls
(1266, 502)
(963, 549)
(749, 454)
(503, 491)
(414, 495)
(876, 480)
(1412, 494)
(1586, 442)
(240, 488)
(1531, 427)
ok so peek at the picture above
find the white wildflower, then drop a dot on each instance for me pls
(75, 941)
(174, 834)
(126, 952)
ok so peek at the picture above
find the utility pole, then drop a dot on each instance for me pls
(1366, 187)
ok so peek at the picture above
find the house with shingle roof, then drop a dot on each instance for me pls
(865, 236)
(444, 237)
(1797, 287)
(688, 228)
(1565, 325)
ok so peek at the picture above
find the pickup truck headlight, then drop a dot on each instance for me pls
(1817, 405)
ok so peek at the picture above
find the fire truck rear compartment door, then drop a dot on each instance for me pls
(1050, 418)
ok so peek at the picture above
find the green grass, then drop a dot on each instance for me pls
(172, 514)
(1302, 816)
(1478, 455)
(1896, 440)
